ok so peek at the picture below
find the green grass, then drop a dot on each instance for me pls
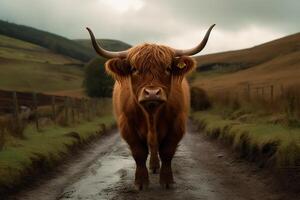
(41, 77)
(12, 48)
(28, 67)
(256, 140)
(49, 146)
(19, 44)
(55, 43)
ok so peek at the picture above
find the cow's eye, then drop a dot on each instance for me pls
(134, 70)
(168, 71)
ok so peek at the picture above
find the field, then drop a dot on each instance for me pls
(39, 77)
(28, 67)
(53, 42)
(255, 101)
(276, 62)
(12, 48)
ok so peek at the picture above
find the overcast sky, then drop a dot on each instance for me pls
(178, 23)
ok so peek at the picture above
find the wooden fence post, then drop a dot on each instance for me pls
(80, 107)
(66, 110)
(248, 91)
(95, 107)
(72, 110)
(82, 104)
(35, 106)
(77, 106)
(282, 89)
(53, 109)
(87, 104)
(257, 89)
(272, 92)
(16, 109)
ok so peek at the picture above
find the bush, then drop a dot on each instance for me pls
(199, 99)
(96, 82)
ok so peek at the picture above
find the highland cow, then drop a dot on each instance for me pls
(151, 102)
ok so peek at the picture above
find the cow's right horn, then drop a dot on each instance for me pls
(104, 53)
(197, 49)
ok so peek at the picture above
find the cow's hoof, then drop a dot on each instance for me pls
(167, 186)
(141, 186)
(166, 178)
(141, 178)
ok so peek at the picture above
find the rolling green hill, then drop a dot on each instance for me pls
(28, 67)
(251, 56)
(55, 43)
(34, 60)
(276, 62)
(111, 45)
(22, 75)
(12, 48)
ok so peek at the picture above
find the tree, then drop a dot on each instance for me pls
(96, 82)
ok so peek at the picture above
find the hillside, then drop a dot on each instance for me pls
(12, 48)
(28, 67)
(251, 56)
(276, 62)
(55, 43)
(112, 45)
(34, 60)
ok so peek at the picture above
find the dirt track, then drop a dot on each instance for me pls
(202, 170)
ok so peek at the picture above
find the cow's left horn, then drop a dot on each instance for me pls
(197, 49)
(104, 53)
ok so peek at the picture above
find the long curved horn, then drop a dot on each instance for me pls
(104, 53)
(197, 49)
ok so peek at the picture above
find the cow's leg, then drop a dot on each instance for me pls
(167, 150)
(166, 153)
(139, 152)
(154, 160)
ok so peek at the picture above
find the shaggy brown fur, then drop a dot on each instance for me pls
(161, 130)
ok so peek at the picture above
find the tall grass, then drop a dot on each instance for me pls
(283, 108)
(263, 130)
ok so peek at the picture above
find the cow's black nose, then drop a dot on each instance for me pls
(152, 93)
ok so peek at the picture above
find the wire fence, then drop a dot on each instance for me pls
(259, 90)
(19, 108)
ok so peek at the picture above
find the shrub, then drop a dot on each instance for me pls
(96, 82)
(199, 99)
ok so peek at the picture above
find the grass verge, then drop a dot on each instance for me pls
(22, 159)
(270, 145)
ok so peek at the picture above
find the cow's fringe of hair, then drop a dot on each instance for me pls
(144, 56)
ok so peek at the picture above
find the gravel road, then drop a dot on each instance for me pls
(202, 170)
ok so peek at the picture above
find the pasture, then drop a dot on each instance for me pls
(27, 67)
(255, 101)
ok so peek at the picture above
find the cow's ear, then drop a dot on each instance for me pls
(117, 68)
(183, 65)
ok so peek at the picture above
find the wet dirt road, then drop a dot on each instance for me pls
(202, 170)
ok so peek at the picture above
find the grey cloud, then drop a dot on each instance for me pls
(160, 20)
